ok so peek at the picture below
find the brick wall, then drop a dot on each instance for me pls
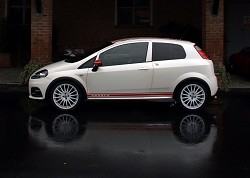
(89, 23)
(41, 32)
(213, 31)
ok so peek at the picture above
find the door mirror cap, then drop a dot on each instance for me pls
(98, 63)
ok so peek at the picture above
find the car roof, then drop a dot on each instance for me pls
(153, 39)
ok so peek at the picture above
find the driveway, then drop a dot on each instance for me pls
(123, 139)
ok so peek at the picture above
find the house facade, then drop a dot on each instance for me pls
(51, 26)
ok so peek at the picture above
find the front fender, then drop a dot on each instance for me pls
(74, 78)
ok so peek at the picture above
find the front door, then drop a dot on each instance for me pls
(124, 73)
(19, 15)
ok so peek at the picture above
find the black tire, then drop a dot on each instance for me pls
(66, 96)
(192, 96)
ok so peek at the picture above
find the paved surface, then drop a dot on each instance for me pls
(117, 139)
(239, 81)
(123, 139)
(11, 76)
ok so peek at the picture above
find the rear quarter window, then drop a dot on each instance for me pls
(167, 51)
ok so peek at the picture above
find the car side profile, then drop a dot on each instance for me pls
(138, 68)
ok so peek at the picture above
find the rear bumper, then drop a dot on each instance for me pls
(213, 85)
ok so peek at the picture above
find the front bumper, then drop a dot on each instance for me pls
(38, 88)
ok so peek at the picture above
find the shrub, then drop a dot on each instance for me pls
(223, 78)
(28, 70)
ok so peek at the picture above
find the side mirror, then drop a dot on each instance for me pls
(97, 64)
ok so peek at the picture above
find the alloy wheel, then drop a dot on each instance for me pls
(65, 96)
(193, 96)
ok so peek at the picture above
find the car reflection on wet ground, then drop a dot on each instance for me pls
(124, 139)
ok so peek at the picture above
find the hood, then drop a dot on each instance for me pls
(61, 65)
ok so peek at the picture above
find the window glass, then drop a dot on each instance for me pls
(125, 54)
(19, 2)
(125, 3)
(15, 2)
(88, 64)
(28, 1)
(16, 15)
(19, 12)
(167, 51)
(142, 3)
(125, 16)
(133, 12)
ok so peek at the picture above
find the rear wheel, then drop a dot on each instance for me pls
(192, 96)
(66, 96)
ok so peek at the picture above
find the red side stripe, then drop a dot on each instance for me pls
(99, 95)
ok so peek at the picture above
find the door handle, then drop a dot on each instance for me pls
(143, 68)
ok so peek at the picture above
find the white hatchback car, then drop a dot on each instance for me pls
(138, 68)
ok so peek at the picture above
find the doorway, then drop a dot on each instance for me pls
(237, 23)
(237, 26)
(19, 18)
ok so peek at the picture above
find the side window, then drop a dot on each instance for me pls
(88, 64)
(125, 54)
(167, 51)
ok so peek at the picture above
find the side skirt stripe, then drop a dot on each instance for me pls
(128, 95)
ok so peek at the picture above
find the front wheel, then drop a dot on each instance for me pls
(192, 96)
(65, 96)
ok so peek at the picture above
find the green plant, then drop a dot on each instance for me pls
(28, 70)
(223, 77)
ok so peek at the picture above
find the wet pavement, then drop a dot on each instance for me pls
(124, 139)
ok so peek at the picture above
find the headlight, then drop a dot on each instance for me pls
(40, 74)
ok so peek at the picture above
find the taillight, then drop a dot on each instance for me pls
(202, 53)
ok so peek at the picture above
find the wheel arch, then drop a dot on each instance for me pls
(66, 79)
(188, 80)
